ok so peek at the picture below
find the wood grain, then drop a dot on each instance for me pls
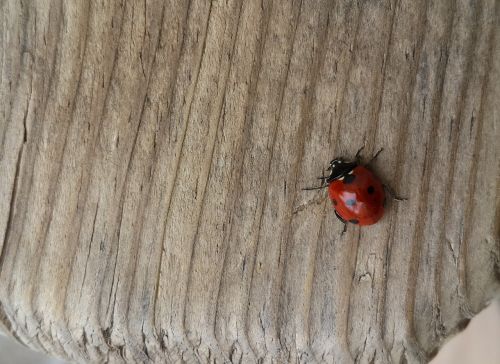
(152, 156)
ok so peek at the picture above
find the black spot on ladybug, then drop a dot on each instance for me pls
(371, 190)
(348, 179)
(334, 202)
(350, 202)
(354, 221)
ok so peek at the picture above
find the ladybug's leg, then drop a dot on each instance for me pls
(323, 178)
(358, 155)
(343, 221)
(323, 183)
(393, 194)
(376, 155)
(314, 188)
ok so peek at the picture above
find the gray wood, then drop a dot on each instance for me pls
(152, 156)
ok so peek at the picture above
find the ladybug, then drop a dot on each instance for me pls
(357, 194)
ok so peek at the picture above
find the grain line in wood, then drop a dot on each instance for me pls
(235, 340)
(265, 190)
(492, 42)
(219, 116)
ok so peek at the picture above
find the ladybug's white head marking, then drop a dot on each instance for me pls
(339, 168)
(335, 163)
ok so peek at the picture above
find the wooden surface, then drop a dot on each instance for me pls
(152, 156)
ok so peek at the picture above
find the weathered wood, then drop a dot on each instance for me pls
(152, 158)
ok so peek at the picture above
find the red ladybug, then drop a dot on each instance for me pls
(357, 194)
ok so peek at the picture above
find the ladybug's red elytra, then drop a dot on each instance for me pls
(357, 194)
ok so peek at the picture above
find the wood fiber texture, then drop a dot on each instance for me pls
(152, 160)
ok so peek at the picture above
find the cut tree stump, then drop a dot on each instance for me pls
(152, 160)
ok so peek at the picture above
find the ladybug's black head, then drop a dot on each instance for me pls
(339, 168)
